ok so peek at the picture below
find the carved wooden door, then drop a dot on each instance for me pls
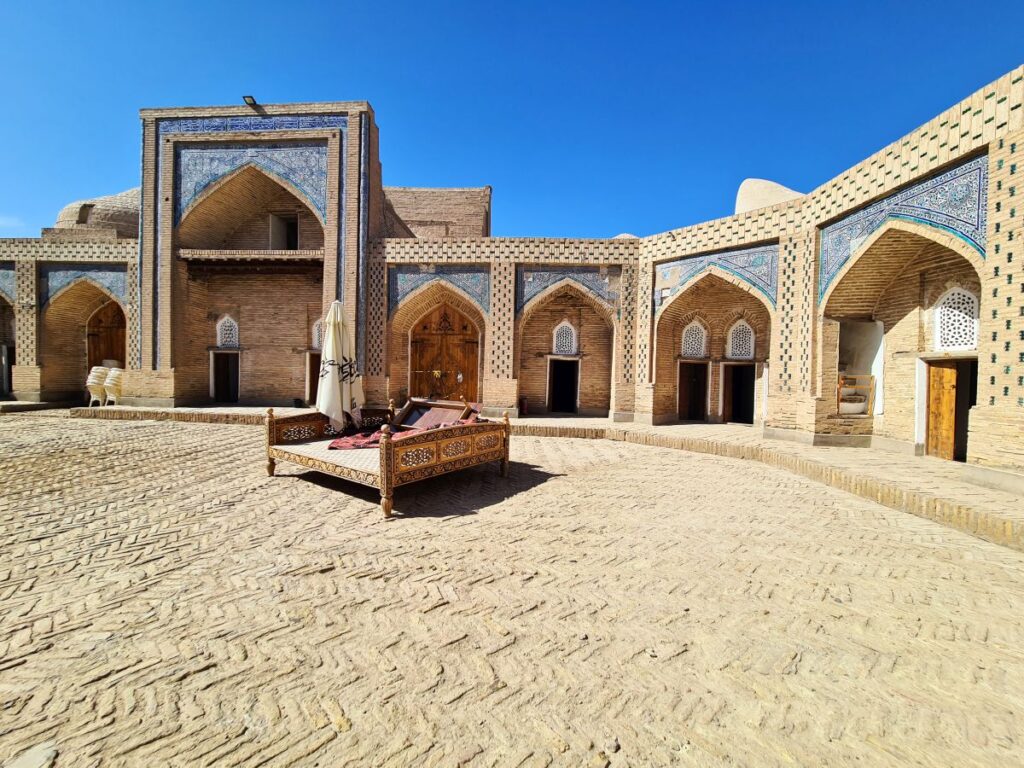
(105, 334)
(444, 356)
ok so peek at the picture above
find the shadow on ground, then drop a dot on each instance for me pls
(455, 494)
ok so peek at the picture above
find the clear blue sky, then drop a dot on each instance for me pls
(588, 118)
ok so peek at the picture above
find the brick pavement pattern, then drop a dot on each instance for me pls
(163, 602)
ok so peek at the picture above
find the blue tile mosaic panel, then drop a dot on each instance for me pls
(757, 266)
(531, 281)
(403, 279)
(303, 165)
(956, 201)
(8, 288)
(53, 278)
(252, 123)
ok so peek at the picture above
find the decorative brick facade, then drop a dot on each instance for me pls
(879, 246)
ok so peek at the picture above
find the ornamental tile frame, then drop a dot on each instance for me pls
(473, 280)
(758, 267)
(531, 281)
(955, 201)
(8, 285)
(54, 278)
(302, 164)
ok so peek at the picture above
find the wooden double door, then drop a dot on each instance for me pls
(105, 335)
(952, 390)
(444, 356)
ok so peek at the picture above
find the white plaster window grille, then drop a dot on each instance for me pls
(227, 333)
(695, 340)
(565, 340)
(318, 334)
(740, 344)
(956, 320)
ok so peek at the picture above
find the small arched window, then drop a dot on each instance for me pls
(318, 335)
(227, 332)
(956, 320)
(740, 342)
(565, 340)
(695, 340)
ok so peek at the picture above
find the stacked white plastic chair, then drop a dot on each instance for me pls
(112, 385)
(95, 384)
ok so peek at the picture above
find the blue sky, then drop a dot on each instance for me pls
(588, 118)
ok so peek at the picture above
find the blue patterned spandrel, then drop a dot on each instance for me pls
(474, 280)
(757, 266)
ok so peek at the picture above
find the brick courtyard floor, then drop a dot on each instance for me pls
(163, 602)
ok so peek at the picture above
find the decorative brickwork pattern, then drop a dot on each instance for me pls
(502, 320)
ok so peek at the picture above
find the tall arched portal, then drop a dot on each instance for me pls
(899, 341)
(565, 353)
(711, 349)
(67, 347)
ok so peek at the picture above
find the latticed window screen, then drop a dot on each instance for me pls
(227, 332)
(565, 340)
(695, 340)
(318, 334)
(741, 341)
(956, 320)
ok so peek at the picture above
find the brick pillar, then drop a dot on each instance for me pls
(624, 373)
(26, 374)
(501, 390)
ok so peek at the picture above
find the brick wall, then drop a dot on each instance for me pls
(275, 315)
(419, 212)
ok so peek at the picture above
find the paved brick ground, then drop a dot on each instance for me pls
(163, 602)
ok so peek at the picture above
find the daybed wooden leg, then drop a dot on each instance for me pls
(385, 506)
(270, 466)
(504, 467)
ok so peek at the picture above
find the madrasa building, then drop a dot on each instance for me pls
(883, 309)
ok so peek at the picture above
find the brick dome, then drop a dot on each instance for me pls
(119, 212)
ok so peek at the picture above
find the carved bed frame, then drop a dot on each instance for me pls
(402, 459)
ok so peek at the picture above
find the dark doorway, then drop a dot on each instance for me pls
(952, 391)
(738, 393)
(313, 376)
(693, 391)
(563, 385)
(225, 377)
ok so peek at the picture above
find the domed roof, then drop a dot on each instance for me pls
(120, 212)
(760, 193)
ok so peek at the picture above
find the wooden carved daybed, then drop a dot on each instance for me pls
(406, 453)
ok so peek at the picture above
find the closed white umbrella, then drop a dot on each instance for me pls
(341, 387)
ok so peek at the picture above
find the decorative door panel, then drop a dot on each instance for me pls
(444, 356)
(941, 409)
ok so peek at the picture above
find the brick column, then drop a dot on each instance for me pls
(26, 374)
(501, 390)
